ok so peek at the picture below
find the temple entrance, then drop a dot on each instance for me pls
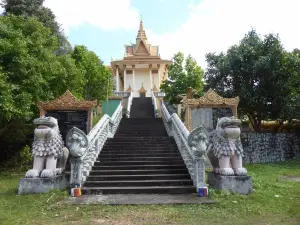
(142, 92)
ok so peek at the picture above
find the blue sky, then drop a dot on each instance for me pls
(194, 27)
(158, 15)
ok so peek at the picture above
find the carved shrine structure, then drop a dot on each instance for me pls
(70, 112)
(207, 109)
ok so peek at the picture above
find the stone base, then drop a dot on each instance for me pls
(42, 185)
(235, 184)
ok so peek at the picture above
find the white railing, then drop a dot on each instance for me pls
(159, 94)
(84, 149)
(154, 103)
(192, 146)
(123, 94)
(129, 103)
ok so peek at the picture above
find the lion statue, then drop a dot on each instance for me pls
(48, 151)
(225, 150)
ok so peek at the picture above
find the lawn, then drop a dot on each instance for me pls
(275, 201)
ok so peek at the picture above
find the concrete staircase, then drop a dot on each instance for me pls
(140, 159)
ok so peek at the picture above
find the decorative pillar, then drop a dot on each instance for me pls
(125, 83)
(234, 111)
(133, 77)
(166, 70)
(150, 74)
(159, 77)
(90, 120)
(117, 79)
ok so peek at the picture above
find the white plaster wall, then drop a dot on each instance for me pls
(142, 77)
(129, 82)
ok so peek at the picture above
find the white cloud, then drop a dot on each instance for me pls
(112, 14)
(215, 25)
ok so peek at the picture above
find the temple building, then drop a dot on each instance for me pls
(142, 69)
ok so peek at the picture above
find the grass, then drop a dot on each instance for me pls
(274, 201)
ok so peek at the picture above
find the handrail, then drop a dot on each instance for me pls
(129, 103)
(191, 145)
(154, 103)
(84, 149)
(124, 94)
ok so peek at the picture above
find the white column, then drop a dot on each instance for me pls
(166, 70)
(159, 77)
(117, 80)
(133, 77)
(125, 82)
(150, 74)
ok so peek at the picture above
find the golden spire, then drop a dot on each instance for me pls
(141, 33)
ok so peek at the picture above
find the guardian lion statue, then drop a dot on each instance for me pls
(48, 151)
(225, 150)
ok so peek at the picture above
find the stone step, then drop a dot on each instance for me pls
(139, 177)
(137, 183)
(134, 144)
(140, 147)
(131, 162)
(139, 138)
(149, 141)
(95, 172)
(139, 134)
(136, 151)
(134, 155)
(139, 190)
(135, 167)
(140, 158)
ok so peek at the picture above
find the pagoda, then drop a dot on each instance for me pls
(141, 70)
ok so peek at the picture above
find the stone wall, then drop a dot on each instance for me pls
(270, 147)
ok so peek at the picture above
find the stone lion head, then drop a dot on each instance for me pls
(47, 138)
(229, 127)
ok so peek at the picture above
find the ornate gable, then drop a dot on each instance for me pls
(212, 98)
(142, 49)
(66, 102)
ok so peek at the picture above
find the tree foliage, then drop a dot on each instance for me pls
(36, 65)
(183, 73)
(260, 72)
(35, 8)
(30, 71)
(97, 78)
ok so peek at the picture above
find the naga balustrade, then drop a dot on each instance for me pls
(84, 149)
(192, 145)
(154, 103)
(129, 103)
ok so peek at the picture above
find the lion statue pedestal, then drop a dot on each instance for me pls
(225, 152)
(49, 159)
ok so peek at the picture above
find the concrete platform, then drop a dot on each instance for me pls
(42, 185)
(139, 199)
(235, 184)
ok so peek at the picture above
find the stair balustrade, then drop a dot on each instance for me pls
(192, 145)
(124, 94)
(154, 103)
(129, 103)
(84, 149)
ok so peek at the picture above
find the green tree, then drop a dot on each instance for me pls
(291, 66)
(35, 8)
(97, 78)
(29, 69)
(183, 74)
(256, 70)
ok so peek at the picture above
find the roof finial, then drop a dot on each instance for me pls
(141, 33)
